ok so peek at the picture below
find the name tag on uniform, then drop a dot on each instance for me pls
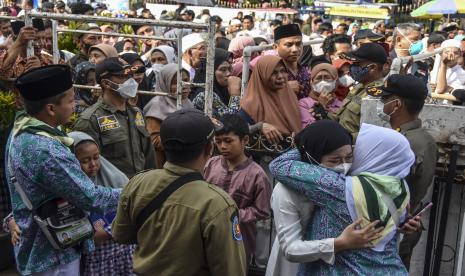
(108, 122)
(139, 119)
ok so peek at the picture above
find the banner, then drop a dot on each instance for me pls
(351, 11)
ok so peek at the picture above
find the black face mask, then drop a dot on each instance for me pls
(86, 48)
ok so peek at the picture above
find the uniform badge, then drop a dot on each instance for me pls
(107, 123)
(374, 91)
(139, 119)
(236, 229)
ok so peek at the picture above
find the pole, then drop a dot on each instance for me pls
(28, 23)
(461, 247)
(179, 81)
(152, 93)
(126, 21)
(56, 51)
(208, 95)
(115, 34)
(451, 171)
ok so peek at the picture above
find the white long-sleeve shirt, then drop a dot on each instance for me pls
(292, 212)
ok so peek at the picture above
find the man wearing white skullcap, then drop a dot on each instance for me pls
(235, 26)
(194, 48)
(451, 75)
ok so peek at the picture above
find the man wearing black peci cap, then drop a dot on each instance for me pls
(401, 100)
(118, 129)
(367, 36)
(194, 228)
(367, 70)
(288, 44)
(41, 167)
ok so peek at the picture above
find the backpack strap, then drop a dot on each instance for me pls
(158, 201)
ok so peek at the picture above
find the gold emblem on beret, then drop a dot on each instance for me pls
(374, 90)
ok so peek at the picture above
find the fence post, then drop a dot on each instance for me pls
(208, 95)
(56, 51)
(28, 23)
(179, 80)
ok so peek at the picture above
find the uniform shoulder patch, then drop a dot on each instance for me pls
(139, 119)
(108, 122)
(236, 228)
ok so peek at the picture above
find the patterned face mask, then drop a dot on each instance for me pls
(358, 73)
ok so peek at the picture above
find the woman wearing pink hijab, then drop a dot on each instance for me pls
(236, 47)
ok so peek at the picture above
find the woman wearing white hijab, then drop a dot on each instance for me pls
(160, 106)
(342, 200)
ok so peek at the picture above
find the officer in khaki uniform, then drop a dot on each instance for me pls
(402, 98)
(118, 129)
(367, 70)
(195, 229)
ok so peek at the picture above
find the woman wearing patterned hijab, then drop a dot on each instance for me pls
(85, 75)
(376, 192)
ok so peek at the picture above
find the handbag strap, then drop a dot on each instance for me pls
(158, 201)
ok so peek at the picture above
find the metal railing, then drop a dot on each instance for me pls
(398, 62)
(210, 29)
(247, 54)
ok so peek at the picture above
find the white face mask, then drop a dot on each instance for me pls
(341, 168)
(380, 111)
(156, 67)
(324, 86)
(127, 89)
(346, 81)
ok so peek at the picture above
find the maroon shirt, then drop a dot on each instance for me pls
(250, 188)
(303, 78)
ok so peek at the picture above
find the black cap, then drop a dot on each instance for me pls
(216, 18)
(188, 127)
(436, 38)
(367, 33)
(113, 66)
(367, 51)
(188, 12)
(288, 30)
(60, 5)
(404, 86)
(44, 82)
(450, 28)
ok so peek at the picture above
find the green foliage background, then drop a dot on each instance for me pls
(7, 109)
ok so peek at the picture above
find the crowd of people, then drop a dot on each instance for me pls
(137, 186)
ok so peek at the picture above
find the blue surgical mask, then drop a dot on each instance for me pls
(358, 73)
(415, 47)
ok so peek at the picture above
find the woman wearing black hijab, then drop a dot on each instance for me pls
(226, 88)
(320, 143)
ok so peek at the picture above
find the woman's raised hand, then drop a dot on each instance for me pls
(326, 98)
(271, 133)
(234, 86)
(354, 238)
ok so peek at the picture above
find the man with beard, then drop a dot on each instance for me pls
(84, 42)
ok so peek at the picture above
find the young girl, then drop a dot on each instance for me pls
(108, 258)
